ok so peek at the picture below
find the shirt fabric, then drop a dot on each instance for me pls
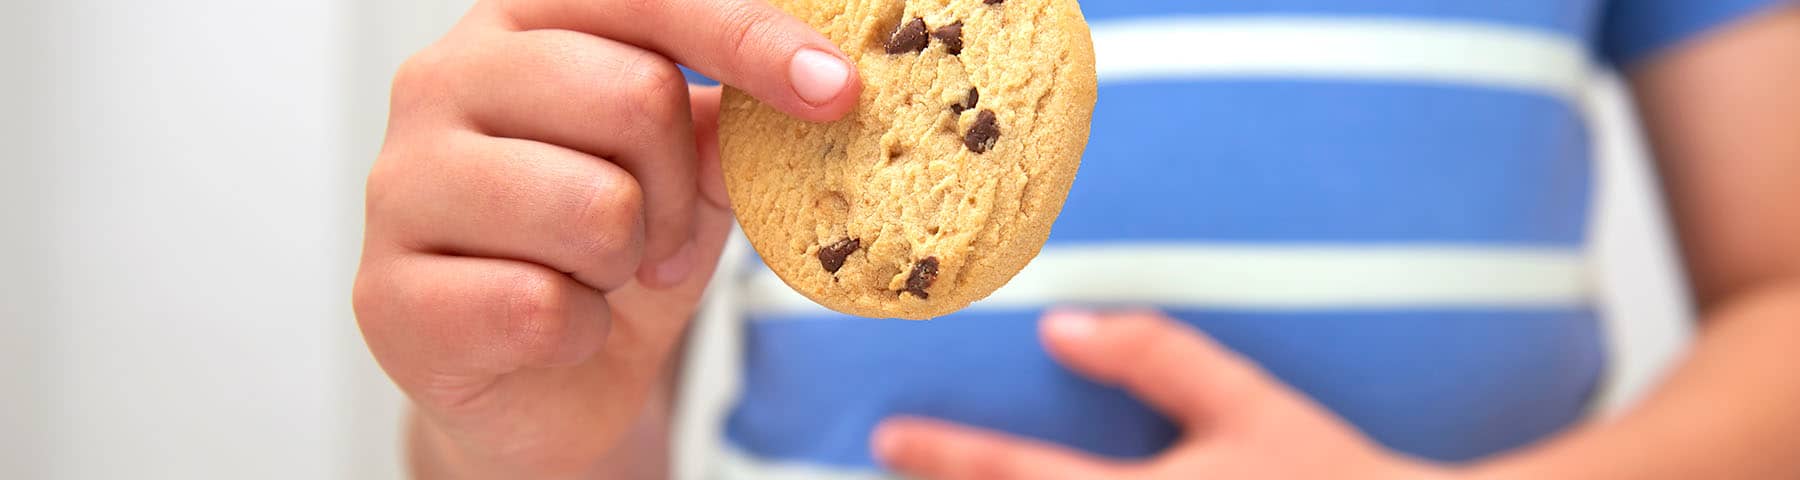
(1382, 202)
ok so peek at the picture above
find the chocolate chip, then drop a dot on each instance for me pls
(923, 275)
(983, 133)
(910, 37)
(974, 99)
(951, 35)
(832, 256)
(993, 2)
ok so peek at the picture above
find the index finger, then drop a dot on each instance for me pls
(1170, 366)
(747, 44)
(943, 451)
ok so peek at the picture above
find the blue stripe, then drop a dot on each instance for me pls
(695, 78)
(1310, 161)
(1446, 385)
(1574, 18)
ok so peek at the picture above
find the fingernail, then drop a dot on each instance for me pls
(676, 268)
(818, 76)
(1070, 323)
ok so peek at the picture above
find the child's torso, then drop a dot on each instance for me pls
(1387, 219)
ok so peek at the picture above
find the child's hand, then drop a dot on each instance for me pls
(547, 208)
(1240, 422)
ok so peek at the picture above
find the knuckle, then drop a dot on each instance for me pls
(381, 307)
(419, 76)
(382, 184)
(367, 296)
(742, 24)
(609, 220)
(397, 181)
(656, 88)
(536, 316)
(649, 73)
(412, 71)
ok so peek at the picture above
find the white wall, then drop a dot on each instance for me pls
(22, 325)
(180, 210)
(179, 219)
(185, 251)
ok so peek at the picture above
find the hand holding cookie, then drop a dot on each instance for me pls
(547, 208)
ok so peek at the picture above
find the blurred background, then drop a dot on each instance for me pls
(180, 218)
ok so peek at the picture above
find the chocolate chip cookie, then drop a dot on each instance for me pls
(945, 179)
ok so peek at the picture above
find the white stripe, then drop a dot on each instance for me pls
(1266, 278)
(1461, 53)
(737, 465)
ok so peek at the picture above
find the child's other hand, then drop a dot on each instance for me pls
(547, 207)
(1240, 423)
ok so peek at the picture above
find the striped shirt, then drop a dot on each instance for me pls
(1382, 202)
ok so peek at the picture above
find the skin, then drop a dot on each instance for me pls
(544, 214)
(1239, 422)
(547, 209)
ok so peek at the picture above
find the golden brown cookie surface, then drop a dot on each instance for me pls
(945, 179)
